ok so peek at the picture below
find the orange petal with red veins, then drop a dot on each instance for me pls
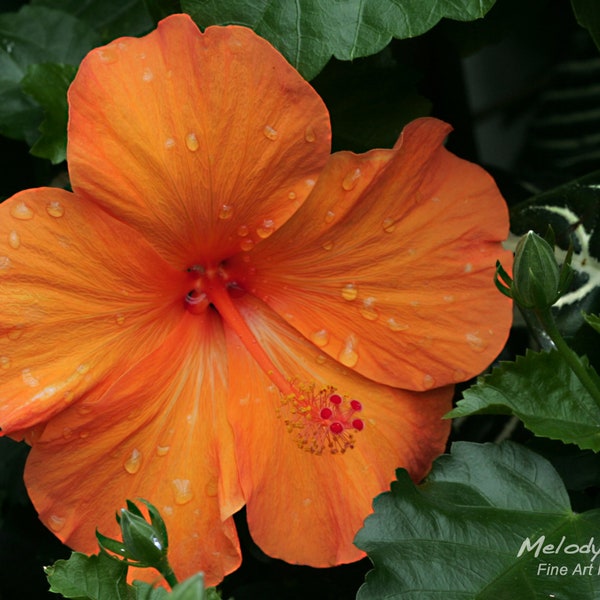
(76, 306)
(204, 142)
(388, 266)
(302, 506)
(159, 432)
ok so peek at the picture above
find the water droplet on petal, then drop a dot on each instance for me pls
(321, 359)
(133, 463)
(395, 325)
(56, 523)
(107, 55)
(348, 355)
(449, 298)
(309, 134)
(389, 225)
(368, 310)
(270, 133)
(169, 143)
(328, 245)
(320, 338)
(162, 450)
(246, 244)
(428, 381)
(55, 209)
(468, 268)
(211, 488)
(182, 490)
(459, 375)
(147, 75)
(351, 179)
(243, 230)
(14, 240)
(292, 195)
(4, 263)
(120, 319)
(349, 292)
(226, 212)
(29, 379)
(4, 362)
(310, 182)
(15, 332)
(191, 141)
(265, 229)
(68, 397)
(21, 211)
(329, 216)
(476, 342)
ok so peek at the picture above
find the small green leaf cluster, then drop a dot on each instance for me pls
(103, 576)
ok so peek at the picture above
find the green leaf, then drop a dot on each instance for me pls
(588, 16)
(543, 391)
(84, 577)
(593, 321)
(473, 529)
(110, 18)
(309, 32)
(35, 35)
(190, 589)
(47, 84)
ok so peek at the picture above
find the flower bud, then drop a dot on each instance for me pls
(142, 540)
(536, 276)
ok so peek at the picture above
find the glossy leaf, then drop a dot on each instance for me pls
(96, 577)
(481, 527)
(309, 32)
(544, 393)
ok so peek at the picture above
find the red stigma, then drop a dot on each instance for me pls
(335, 399)
(336, 428)
(358, 424)
(326, 413)
(355, 405)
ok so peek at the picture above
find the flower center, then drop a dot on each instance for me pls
(321, 419)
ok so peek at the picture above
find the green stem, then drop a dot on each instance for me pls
(547, 320)
(167, 572)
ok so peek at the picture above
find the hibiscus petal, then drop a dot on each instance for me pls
(302, 506)
(388, 266)
(205, 142)
(160, 433)
(76, 306)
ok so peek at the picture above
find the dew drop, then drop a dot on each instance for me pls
(169, 143)
(476, 342)
(459, 375)
(119, 319)
(56, 523)
(67, 433)
(328, 245)
(4, 263)
(468, 268)
(393, 325)
(15, 333)
(310, 182)
(351, 179)
(182, 490)
(21, 211)
(265, 229)
(4, 362)
(292, 195)
(348, 355)
(246, 244)
(329, 216)
(211, 488)
(55, 209)
(349, 292)
(168, 510)
(14, 240)
(270, 133)
(191, 141)
(309, 134)
(133, 463)
(368, 310)
(83, 368)
(428, 381)
(162, 450)
(29, 379)
(107, 55)
(226, 212)
(147, 75)
(449, 298)
(389, 225)
(243, 230)
(320, 338)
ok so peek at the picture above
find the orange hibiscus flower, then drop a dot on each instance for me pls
(222, 314)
